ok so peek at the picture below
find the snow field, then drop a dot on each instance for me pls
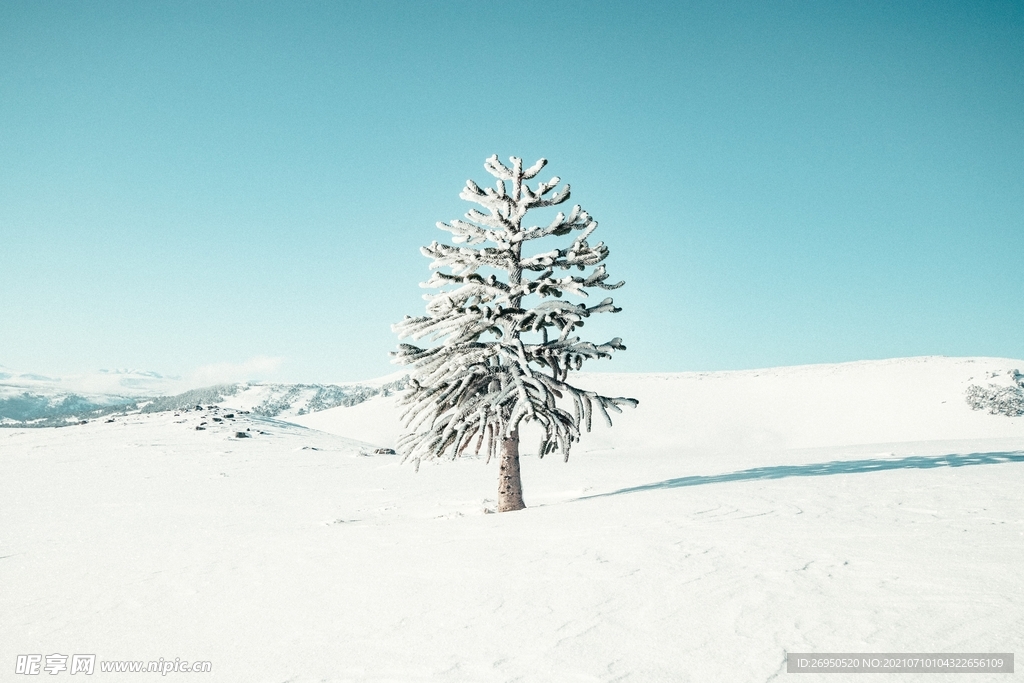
(680, 546)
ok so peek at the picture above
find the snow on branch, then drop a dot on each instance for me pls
(482, 380)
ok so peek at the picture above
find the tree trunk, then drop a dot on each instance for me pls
(510, 484)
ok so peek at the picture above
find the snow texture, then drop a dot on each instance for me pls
(734, 516)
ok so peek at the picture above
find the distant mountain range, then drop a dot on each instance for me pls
(990, 385)
(29, 400)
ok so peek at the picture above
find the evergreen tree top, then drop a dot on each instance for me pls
(501, 361)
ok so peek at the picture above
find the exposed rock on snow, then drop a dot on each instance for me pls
(999, 399)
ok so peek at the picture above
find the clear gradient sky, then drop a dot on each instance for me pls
(186, 184)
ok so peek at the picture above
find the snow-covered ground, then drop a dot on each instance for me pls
(734, 516)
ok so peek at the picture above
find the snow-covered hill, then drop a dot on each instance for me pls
(39, 400)
(276, 400)
(28, 400)
(860, 507)
(864, 403)
(125, 383)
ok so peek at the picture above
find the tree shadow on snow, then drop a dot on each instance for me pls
(914, 462)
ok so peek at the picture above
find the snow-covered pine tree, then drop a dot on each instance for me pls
(501, 363)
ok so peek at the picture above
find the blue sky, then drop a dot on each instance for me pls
(185, 185)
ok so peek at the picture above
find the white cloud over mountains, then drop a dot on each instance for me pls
(254, 369)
